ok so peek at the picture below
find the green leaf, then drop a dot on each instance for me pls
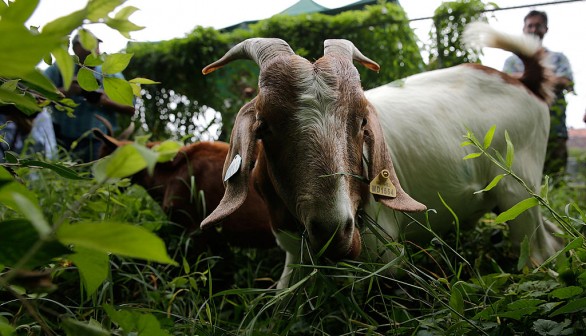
(123, 162)
(99, 9)
(66, 66)
(9, 188)
(118, 90)
(88, 40)
(571, 307)
(23, 102)
(16, 238)
(10, 85)
(20, 50)
(131, 320)
(125, 13)
(140, 80)
(167, 150)
(75, 328)
(33, 213)
(471, 156)
(516, 210)
(93, 60)
(118, 238)
(552, 328)
(86, 80)
(66, 24)
(93, 267)
(115, 63)
(510, 151)
(20, 11)
(524, 255)
(566, 292)
(123, 26)
(488, 137)
(492, 183)
(56, 167)
(457, 300)
(5, 328)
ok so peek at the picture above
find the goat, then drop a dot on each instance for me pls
(171, 185)
(302, 140)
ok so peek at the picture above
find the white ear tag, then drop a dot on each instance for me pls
(382, 185)
(233, 167)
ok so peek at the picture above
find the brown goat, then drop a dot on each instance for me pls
(199, 166)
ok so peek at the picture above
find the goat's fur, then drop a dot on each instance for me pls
(304, 136)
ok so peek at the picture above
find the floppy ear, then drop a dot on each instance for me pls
(380, 159)
(243, 144)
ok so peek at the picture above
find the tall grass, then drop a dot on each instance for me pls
(462, 284)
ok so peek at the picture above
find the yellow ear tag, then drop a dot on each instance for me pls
(382, 185)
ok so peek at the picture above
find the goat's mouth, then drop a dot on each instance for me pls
(347, 248)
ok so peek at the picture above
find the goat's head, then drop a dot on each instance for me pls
(312, 125)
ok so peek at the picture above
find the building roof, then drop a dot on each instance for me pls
(304, 7)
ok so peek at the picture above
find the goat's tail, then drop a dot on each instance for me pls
(538, 75)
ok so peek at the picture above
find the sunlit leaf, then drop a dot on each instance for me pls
(66, 24)
(123, 26)
(123, 162)
(510, 150)
(93, 267)
(118, 90)
(20, 11)
(516, 210)
(87, 39)
(167, 150)
(56, 167)
(139, 80)
(86, 80)
(492, 183)
(125, 13)
(488, 137)
(115, 63)
(20, 50)
(65, 64)
(99, 9)
(33, 213)
(471, 156)
(118, 238)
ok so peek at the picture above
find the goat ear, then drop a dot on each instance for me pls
(110, 142)
(242, 143)
(380, 159)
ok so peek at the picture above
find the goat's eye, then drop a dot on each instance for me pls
(364, 122)
(262, 129)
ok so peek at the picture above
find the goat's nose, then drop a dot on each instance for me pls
(337, 236)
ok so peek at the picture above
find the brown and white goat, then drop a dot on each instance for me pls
(196, 167)
(311, 125)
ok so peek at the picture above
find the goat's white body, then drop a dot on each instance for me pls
(425, 118)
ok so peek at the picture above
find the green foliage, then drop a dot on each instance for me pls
(381, 32)
(449, 19)
(22, 49)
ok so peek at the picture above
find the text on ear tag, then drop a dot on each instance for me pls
(382, 185)
(233, 167)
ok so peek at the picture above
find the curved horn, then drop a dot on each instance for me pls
(347, 50)
(259, 50)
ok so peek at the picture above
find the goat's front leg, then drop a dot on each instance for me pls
(291, 243)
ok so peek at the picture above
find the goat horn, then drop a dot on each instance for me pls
(259, 50)
(346, 49)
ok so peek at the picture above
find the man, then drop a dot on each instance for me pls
(74, 133)
(535, 23)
